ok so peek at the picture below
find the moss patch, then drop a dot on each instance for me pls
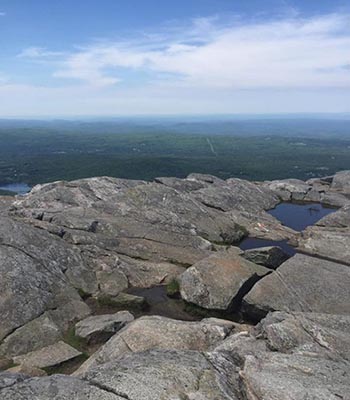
(75, 341)
(173, 288)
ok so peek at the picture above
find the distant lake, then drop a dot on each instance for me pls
(299, 216)
(18, 188)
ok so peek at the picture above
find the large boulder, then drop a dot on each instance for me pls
(160, 333)
(302, 283)
(167, 375)
(220, 281)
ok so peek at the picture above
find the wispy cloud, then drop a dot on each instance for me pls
(288, 52)
(2, 14)
(38, 53)
(281, 64)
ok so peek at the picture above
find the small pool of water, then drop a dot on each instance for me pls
(299, 216)
(253, 243)
(160, 304)
(18, 188)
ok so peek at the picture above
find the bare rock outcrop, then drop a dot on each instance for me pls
(304, 284)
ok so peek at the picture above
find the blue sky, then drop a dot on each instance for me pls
(148, 57)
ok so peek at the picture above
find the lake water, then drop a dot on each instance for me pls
(18, 188)
(294, 215)
(299, 216)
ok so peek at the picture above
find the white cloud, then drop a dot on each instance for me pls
(38, 53)
(290, 52)
(290, 64)
(2, 14)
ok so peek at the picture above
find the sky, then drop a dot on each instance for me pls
(94, 58)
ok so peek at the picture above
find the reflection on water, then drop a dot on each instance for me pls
(294, 215)
(299, 216)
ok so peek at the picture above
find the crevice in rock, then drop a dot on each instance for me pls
(321, 257)
(107, 389)
(247, 286)
(217, 208)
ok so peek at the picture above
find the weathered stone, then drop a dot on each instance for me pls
(326, 335)
(302, 283)
(262, 225)
(159, 333)
(167, 375)
(32, 271)
(331, 243)
(8, 379)
(102, 326)
(338, 219)
(34, 335)
(56, 387)
(124, 301)
(111, 283)
(220, 281)
(341, 182)
(297, 377)
(144, 274)
(270, 257)
(335, 199)
(236, 194)
(289, 189)
(49, 356)
(27, 370)
(5, 363)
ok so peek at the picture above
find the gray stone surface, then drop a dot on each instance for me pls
(270, 257)
(297, 377)
(159, 333)
(8, 379)
(167, 375)
(341, 182)
(32, 272)
(99, 236)
(289, 189)
(326, 335)
(56, 387)
(294, 356)
(97, 327)
(327, 242)
(338, 219)
(34, 335)
(49, 356)
(220, 281)
(302, 283)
